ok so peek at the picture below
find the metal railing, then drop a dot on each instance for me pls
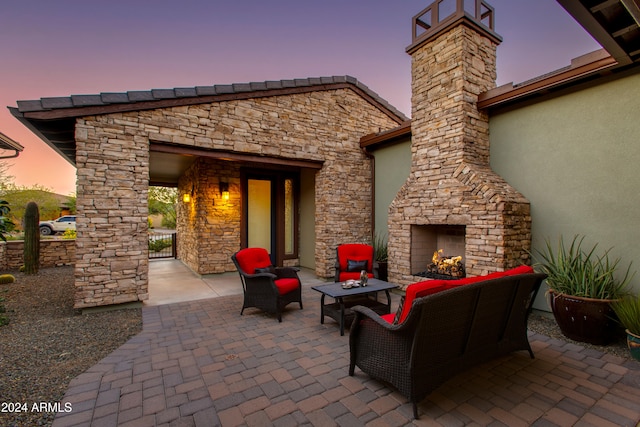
(162, 245)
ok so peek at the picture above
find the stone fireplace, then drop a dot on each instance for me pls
(452, 199)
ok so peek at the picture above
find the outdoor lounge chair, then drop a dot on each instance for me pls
(455, 326)
(351, 259)
(266, 287)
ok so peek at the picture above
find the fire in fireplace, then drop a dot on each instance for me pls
(444, 267)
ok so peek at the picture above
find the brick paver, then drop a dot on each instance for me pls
(201, 363)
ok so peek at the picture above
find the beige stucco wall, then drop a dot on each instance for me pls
(576, 159)
(113, 178)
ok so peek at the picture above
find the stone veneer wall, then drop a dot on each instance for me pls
(53, 253)
(209, 227)
(451, 182)
(113, 172)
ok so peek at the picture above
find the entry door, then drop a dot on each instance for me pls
(270, 214)
(260, 215)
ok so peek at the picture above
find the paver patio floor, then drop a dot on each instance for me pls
(199, 363)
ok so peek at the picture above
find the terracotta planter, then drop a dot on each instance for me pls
(584, 319)
(633, 342)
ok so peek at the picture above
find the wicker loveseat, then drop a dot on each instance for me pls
(442, 328)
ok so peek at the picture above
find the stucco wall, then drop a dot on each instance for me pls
(392, 167)
(576, 157)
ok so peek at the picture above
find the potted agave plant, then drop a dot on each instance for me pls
(582, 286)
(380, 256)
(628, 311)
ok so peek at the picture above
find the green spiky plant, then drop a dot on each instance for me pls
(628, 311)
(579, 272)
(31, 238)
(380, 248)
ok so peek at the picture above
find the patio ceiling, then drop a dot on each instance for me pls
(615, 24)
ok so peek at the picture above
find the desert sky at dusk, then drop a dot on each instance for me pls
(70, 47)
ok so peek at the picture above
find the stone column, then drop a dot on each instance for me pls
(112, 259)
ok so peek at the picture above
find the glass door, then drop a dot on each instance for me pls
(259, 214)
(270, 214)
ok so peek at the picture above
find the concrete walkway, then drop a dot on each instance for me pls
(199, 363)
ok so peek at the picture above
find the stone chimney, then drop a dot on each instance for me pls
(452, 199)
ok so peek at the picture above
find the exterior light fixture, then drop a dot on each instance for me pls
(224, 190)
(186, 197)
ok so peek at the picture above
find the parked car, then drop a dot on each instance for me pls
(59, 225)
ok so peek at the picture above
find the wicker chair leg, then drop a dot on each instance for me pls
(415, 410)
(531, 352)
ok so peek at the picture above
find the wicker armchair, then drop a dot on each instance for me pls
(443, 334)
(264, 286)
(351, 259)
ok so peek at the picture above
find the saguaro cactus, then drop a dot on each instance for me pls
(31, 238)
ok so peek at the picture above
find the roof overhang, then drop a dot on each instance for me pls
(9, 144)
(53, 119)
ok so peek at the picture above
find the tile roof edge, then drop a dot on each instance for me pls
(119, 99)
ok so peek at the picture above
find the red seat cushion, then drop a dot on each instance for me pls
(428, 287)
(251, 258)
(286, 285)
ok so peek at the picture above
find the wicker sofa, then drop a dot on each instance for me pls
(443, 327)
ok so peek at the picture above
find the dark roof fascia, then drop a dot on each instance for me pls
(7, 143)
(377, 139)
(591, 67)
(106, 103)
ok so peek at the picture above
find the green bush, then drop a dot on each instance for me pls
(156, 245)
(69, 234)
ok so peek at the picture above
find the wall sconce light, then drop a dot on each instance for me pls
(186, 197)
(224, 190)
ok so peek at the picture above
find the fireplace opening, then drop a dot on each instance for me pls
(437, 251)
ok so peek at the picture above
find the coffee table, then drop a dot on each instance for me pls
(340, 310)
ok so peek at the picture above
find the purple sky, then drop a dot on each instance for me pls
(70, 47)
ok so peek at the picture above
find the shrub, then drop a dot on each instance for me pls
(69, 234)
(156, 245)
